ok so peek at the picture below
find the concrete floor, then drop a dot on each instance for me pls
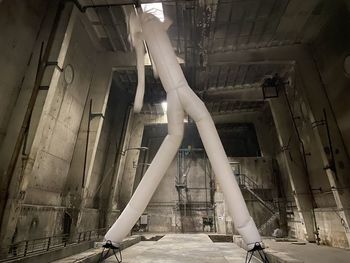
(199, 248)
(183, 248)
(311, 253)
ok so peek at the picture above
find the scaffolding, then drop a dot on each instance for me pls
(185, 205)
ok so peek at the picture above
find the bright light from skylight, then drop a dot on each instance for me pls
(155, 9)
(164, 106)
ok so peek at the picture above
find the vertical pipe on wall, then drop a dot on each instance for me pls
(86, 144)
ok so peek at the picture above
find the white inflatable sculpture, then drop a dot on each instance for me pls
(180, 99)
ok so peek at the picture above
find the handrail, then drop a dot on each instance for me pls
(247, 181)
(250, 185)
(41, 245)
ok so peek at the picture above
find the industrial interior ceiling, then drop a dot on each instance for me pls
(203, 29)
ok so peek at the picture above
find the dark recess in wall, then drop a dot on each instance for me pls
(238, 139)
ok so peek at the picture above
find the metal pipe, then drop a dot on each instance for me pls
(86, 145)
(332, 165)
(30, 117)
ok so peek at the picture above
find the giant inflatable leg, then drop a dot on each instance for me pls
(154, 173)
(223, 172)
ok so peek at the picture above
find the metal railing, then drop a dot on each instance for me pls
(244, 180)
(249, 184)
(41, 245)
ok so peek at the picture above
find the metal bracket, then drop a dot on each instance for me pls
(134, 148)
(316, 124)
(44, 88)
(284, 148)
(94, 115)
(55, 64)
(135, 164)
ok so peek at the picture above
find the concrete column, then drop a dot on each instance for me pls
(19, 180)
(127, 176)
(110, 207)
(335, 170)
(132, 157)
(295, 164)
(99, 93)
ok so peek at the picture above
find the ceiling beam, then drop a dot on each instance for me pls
(251, 92)
(116, 27)
(269, 55)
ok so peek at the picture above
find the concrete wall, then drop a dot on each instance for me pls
(163, 210)
(164, 213)
(59, 123)
(62, 121)
(18, 73)
(258, 169)
(15, 183)
(331, 227)
(331, 206)
(20, 23)
(41, 187)
(127, 171)
(329, 50)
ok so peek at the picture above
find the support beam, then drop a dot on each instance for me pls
(248, 92)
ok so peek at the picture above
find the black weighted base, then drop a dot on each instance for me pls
(260, 251)
(110, 247)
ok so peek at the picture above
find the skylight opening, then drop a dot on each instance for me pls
(164, 106)
(155, 9)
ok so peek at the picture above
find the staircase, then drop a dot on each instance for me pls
(253, 188)
(263, 227)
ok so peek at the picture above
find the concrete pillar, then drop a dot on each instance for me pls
(294, 161)
(132, 157)
(20, 178)
(110, 206)
(99, 93)
(335, 170)
(127, 176)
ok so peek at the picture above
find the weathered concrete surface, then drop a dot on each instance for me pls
(41, 179)
(194, 248)
(163, 210)
(127, 173)
(20, 22)
(331, 227)
(316, 101)
(309, 253)
(94, 255)
(273, 256)
(56, 253)
(264, 126)
(19, 182)
(294, 161)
